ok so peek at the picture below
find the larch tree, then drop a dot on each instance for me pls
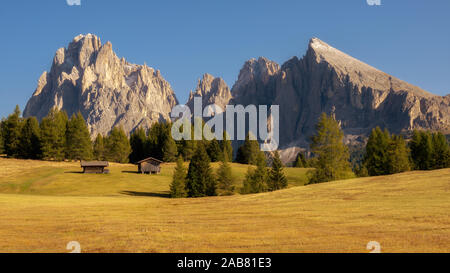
(332, 156)
(118, 146)
(78, 139)
(99, 148)
(137, 142)
(200, 180)
(276, 178)
(53, 135)
(178, 185)
(11, 133)
(29, 140)
(225, 178)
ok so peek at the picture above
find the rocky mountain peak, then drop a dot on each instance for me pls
(89, 77)
(212, 90)
(260, 69)
(358, 72)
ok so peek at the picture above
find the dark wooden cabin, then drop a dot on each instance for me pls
(94, 166)
(149, 165)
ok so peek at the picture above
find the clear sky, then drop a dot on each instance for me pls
(409, 39)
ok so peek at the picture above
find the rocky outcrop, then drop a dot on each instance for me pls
(88, 77)
(328, 80)
(211, 90)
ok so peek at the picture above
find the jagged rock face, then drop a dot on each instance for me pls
(211, 90)
(256, 82)
(328, 80)
(88, 77)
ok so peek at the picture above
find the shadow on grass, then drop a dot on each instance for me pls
(135, 172)
(74, 172)
(147, 194)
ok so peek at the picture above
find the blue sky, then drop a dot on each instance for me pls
(409, 39)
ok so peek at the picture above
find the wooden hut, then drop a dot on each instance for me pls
(94, 166)
(149, 165)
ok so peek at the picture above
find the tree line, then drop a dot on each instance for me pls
(384, 153)
(58, 138)
(199, 179)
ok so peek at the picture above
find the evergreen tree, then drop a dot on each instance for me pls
(421, 146)
(169, 149)
(214, 151)
(226, 146)
(256, 180)
(118, 146)
(186, 147)
(137, 142)
(29, 140)
(398, 155)
(99, 148)
(200, 180)
(160, 143)
(78, 139)
(441, 151)
(332, 155)
(53, 134)
(300, 161)
(376, 159)
(225, 178)
(276, 179)
(248, 152)
(11, 133)
(178, 186)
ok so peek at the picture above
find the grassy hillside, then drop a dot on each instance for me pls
(62, 178)
(46, 205)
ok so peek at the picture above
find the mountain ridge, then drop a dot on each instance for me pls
(88, 77)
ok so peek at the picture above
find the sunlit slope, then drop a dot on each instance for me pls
(405, 213)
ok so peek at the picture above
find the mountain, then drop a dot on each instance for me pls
(211, 90)
(89, 77)
(328, 80)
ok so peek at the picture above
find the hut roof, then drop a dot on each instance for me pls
(94, 164)
(149, 159)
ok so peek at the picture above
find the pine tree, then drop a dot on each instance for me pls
(137, 142)
(300, 161)
(276, 178)
(225, 178)
(99, 148)
(53, 134)
(178, 186)
(78, 139)
(248, 152)
(11, 133)
(332, 156)
(169, 149)
(200, 180)
(214, 151)
(118, 146)
(376, 158)
(226, 146)
(398, 155)
(421, 146)
(29, 140)
(441, 151)
(256, 180)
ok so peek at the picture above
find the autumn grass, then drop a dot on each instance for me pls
(45, 205)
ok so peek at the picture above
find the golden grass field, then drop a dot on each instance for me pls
(45, 205)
